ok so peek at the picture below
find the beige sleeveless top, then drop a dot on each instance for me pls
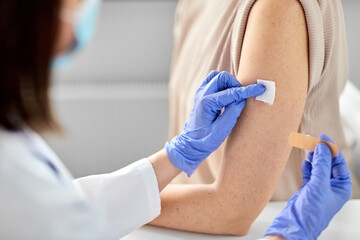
(208, 36)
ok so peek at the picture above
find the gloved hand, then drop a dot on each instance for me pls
(326, 188)
(206, 128)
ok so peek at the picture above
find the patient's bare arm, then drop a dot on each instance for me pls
(275, 48)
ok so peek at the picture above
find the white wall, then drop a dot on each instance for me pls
(113, 100)
(352, 16)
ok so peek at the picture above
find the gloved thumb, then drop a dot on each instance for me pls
(326, 138)
(306, 171)
(340, 169)
(228, 118)
(209, 77)
(321, 163)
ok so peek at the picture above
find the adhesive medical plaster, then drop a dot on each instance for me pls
(269, 95)
(309, 143)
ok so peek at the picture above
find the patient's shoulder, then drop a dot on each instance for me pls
(275, 44)
(275, 22)
(278, 13)
(278, 7)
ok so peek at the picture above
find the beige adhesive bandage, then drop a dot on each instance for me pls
(309, 143)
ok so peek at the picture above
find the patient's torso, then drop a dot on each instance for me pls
(208, 36)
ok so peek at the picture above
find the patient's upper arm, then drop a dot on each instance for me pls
(275, 48)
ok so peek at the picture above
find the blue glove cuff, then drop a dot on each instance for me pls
(287, 228)
(179, 160)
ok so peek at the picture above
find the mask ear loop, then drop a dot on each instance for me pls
(68, 16)
(72, 16)
(84, 7)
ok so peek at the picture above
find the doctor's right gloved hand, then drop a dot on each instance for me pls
(207, 128)
(326, 188)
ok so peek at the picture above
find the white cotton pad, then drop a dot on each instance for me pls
(269, 95)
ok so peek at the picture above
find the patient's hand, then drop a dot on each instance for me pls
(255, 154)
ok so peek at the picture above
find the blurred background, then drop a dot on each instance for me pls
(112, 101)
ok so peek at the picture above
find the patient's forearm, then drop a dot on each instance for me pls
(274, 237)
(200, 208)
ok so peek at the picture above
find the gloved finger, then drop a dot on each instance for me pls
(228, 118)
(341, 172)
(306, 171)
(326, 138)
(339, 159)
(252, 90)
(209, 77)
(321, 165)
(221, 82)
(216, 101)
(340, 169)
(310, 156)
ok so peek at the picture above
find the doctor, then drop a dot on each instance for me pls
(39, 199)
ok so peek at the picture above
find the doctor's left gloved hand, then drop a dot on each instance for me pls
(207, 128)
(326, 188)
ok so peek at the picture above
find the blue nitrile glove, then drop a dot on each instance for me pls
(326, 188)
(207, 128)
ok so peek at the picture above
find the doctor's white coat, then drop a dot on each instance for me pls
(39, 199)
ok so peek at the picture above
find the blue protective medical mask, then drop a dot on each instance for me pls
(83, 20)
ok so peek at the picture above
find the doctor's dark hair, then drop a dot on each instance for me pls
(28, 32)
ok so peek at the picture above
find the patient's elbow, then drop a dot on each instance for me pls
(235, 217)
(232, 222)
(238, 227)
